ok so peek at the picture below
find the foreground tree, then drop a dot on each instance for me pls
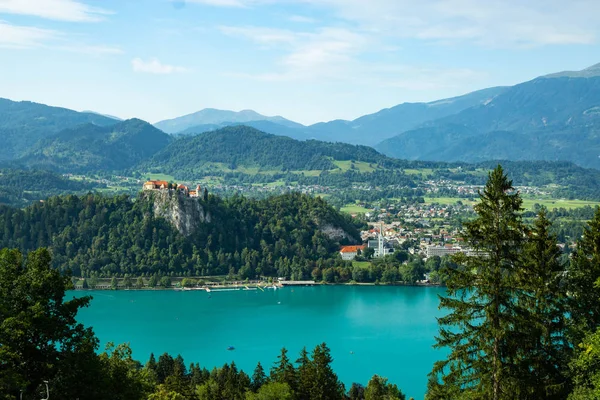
(40, 338)
(480, 301)
(585, 369)
(584, 272)
(544, 346)
(379, 389)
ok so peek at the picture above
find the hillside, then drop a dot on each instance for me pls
(242, 146)
(92, 148)
(23, 123)
(543, 119)
(21, 187)
(214, 117)
(285, 235)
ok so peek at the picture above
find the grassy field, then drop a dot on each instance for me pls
(558, 203)
(448, 200)
(528, 203)
(361, 264)
(360, 166)
(354, 209)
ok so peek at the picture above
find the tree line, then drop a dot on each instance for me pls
(100, 236)
(45, 350)
(522, 322)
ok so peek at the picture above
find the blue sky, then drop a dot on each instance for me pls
(307, 60)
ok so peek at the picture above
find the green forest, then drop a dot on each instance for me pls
(46, 353)
(93, 235)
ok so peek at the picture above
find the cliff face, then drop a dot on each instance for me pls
(336, 233)
(184, 213)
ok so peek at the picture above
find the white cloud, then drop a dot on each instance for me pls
(495, 23)
(15, 36)
(154, 66)
(26, 37)
(499, 23)
(61, 10)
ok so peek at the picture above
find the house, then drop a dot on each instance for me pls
(156, 185)
(348, 253)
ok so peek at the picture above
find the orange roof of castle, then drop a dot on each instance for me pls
(351, 249)
(157, 183)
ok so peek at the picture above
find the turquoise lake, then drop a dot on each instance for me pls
(387, 331)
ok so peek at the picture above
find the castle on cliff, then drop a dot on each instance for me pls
(181, 189)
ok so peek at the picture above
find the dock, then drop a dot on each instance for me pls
(297, 283)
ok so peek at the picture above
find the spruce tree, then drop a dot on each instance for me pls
(544, 345)
(584, 271)
(480, 299)
(305, 375)
(326, 385)
(283, 371)
(258, 378)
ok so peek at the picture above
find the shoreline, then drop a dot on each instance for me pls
(215, 286)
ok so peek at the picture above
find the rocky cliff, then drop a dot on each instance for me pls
(184, 213)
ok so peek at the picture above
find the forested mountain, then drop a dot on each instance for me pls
(214, 117)
(92, 148)
(94, 235)
(238, 146)
(20, 187)
(548, 118)
(22, 123)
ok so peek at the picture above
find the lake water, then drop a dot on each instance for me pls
(387, 331)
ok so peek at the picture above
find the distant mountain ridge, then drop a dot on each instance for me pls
(366, 130)
(588, 72)
(92, 148)
(22, 123)
(548, 118)
(212, 116)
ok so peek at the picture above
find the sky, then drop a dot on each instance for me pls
(307, 60)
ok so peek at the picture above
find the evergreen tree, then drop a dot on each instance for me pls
(544, 346)
(114, 284)
(584, 306)
(480, 300)
(283, 371)
(258, 378)
(151, 364)
(379, 389)
(305, 375)
(164, 367)
(326, 385)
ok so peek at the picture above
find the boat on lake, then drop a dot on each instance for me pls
(230, 348)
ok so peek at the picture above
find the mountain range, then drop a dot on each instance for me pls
(553, 117)
(543, 119)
